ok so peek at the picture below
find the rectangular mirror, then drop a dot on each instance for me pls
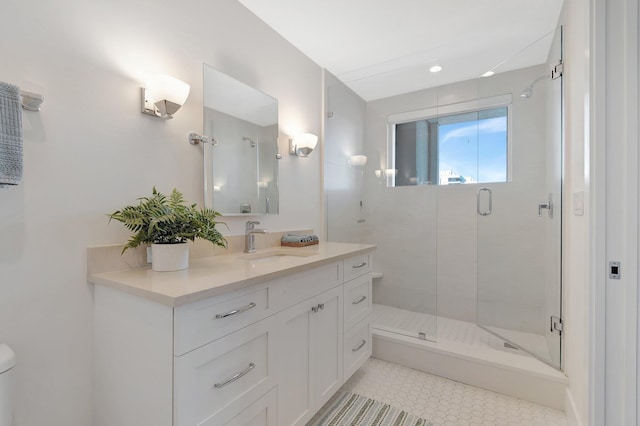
(240, 162)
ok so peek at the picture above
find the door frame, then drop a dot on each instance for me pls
(614, 214)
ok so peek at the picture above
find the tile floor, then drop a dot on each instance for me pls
(445, 402)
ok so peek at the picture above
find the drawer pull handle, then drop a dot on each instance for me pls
(235, 376)
(236, 311)
(360, 265)
(318, 308)
(357, 302)
(364, 342)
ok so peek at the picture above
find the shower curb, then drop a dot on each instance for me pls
(531, 382)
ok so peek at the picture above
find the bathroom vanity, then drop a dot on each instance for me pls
(237, 339)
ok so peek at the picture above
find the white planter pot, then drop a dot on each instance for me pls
(169, 257)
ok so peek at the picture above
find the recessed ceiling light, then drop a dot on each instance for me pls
(488, 74)
(435, 68)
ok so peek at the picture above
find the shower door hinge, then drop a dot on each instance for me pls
(556, 324)
(557, 71)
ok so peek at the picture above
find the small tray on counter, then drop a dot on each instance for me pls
(292, 240)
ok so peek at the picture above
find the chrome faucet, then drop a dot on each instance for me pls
(249, 235)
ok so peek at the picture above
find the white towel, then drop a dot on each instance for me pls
(10, 135)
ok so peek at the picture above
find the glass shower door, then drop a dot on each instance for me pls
(519, 221)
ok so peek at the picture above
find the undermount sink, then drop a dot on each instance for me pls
(274, 255)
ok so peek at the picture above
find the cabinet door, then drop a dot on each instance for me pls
(260, 413)
(326, 345)
(295, 394)
(310, 360)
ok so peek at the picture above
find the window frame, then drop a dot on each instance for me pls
(500, 101)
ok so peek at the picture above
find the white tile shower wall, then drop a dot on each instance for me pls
(511, 293)
(344, 136)
(457, 252)
(424, 234)
(268, 168)
(231, 158)
(402, 223)
(90, 151)
(348, 221)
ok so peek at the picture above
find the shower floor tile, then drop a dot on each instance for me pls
(411, 323)
(445, 402)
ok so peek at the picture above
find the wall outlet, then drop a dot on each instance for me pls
(149, 255)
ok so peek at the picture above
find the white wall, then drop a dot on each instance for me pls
(575, 227)
(615, 219)
(90, 151)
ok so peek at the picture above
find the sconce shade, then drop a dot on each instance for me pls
(302, 145)
(358, 160)
(164, 95)
(385, 173)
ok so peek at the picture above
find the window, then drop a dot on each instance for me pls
(454, 147)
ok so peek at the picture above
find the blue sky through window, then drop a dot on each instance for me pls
(476, 149)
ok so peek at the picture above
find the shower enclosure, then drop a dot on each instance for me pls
(461, 193)
(519, 238)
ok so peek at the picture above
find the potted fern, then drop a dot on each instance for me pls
(167, 223)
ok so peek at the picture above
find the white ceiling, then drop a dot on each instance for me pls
(381, 48)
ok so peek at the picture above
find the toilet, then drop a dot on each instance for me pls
(7, 361)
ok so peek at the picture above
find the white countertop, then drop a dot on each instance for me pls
(215, 275)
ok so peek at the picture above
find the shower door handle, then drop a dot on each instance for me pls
(488, 211)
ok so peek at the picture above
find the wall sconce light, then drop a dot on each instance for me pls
(163, 96)
(388, 173)
(358, 160)
(303, 144)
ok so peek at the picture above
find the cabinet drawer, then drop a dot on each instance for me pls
(356, 266)
(199, 323)
(296, 288)
(262, 412)
(231, 372)
(357, 300)
(357, 347)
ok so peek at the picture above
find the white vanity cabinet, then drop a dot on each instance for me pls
(310, 341)
(154, 365)
(270, 353)
(358, 299)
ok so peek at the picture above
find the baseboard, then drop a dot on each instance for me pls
(570, 410)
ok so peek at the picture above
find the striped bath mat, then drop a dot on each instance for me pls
(350, 409)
